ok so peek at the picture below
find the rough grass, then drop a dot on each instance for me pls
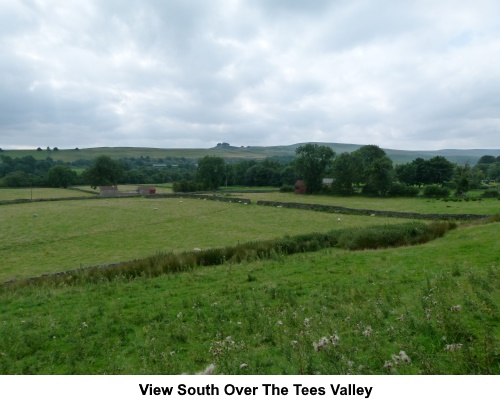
(438, 303)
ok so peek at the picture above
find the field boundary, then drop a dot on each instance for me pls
(357, 211)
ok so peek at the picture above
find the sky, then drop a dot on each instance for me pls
(411, 75)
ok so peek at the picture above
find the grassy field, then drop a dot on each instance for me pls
(419, 205)
(426, 309)
(7, 194)
(51, 236)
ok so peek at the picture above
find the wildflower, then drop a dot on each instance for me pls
(404, 357)
(179, 315)
(295, 343)
(209, 370)
(395, 359)
(84, 324)
(307, 321)
(334, 338)
(279, 323)
(172, 353)
(368, 331)
(456, 308)
(388, 365)
(453, 347)
(244, 365)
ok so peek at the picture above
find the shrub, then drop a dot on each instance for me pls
(286, 188)
(436, 191)
(490, 194)
(401, 190)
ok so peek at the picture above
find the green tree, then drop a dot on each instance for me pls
(312, 163)
(211, 172)
(103, 172)
(344, 174)
(440, 170)
(379, 176)
(365, 157)
(61, 176)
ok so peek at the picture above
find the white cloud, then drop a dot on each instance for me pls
(193, 73)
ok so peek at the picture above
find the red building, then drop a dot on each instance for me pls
(300, 187)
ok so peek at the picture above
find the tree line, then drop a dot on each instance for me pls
(367, 170)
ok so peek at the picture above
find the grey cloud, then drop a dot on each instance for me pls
(193, 73)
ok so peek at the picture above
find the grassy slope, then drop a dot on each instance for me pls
(72, 234)
(253, 152)
(269, 314)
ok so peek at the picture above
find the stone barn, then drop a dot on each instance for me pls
(146, 190)
(108, 191)
(300, 187)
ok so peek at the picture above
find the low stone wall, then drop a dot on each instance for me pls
(355, 211)
(201, 197)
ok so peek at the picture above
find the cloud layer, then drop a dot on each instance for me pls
(192, 73)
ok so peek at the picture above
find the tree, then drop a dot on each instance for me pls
(103, 172)
(440, 170)
(211, 172)
(344, 174)
(312, 164)
(61, 176)
(486, 159)
(365, 157)
(379, 176)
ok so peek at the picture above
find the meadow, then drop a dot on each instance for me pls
(51, 236)
(426, 309)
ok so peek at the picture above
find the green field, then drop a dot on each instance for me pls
(7, 194)
(426, 309)
(71, 234)
(419, 205)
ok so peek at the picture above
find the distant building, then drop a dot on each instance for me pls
(146, 190)
(300, 187)
(108, 191)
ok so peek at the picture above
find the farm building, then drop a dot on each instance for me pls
(145, 190)
(300, 187)
(108, 191)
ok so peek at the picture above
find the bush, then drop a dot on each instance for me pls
(490, 194)
(285, 188)
(401, 190)
(436, 191)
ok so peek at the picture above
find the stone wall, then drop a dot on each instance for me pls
(355, 211)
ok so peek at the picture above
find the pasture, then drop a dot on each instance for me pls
(9, 194)
(437, 303)
(425, 309)
(51, 236)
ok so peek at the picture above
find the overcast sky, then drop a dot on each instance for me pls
(414, 75)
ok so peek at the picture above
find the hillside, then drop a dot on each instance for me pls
(460, 156)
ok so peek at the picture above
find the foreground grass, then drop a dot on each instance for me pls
(438, 303)
(60, 235)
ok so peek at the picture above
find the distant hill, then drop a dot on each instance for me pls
(233, 153)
